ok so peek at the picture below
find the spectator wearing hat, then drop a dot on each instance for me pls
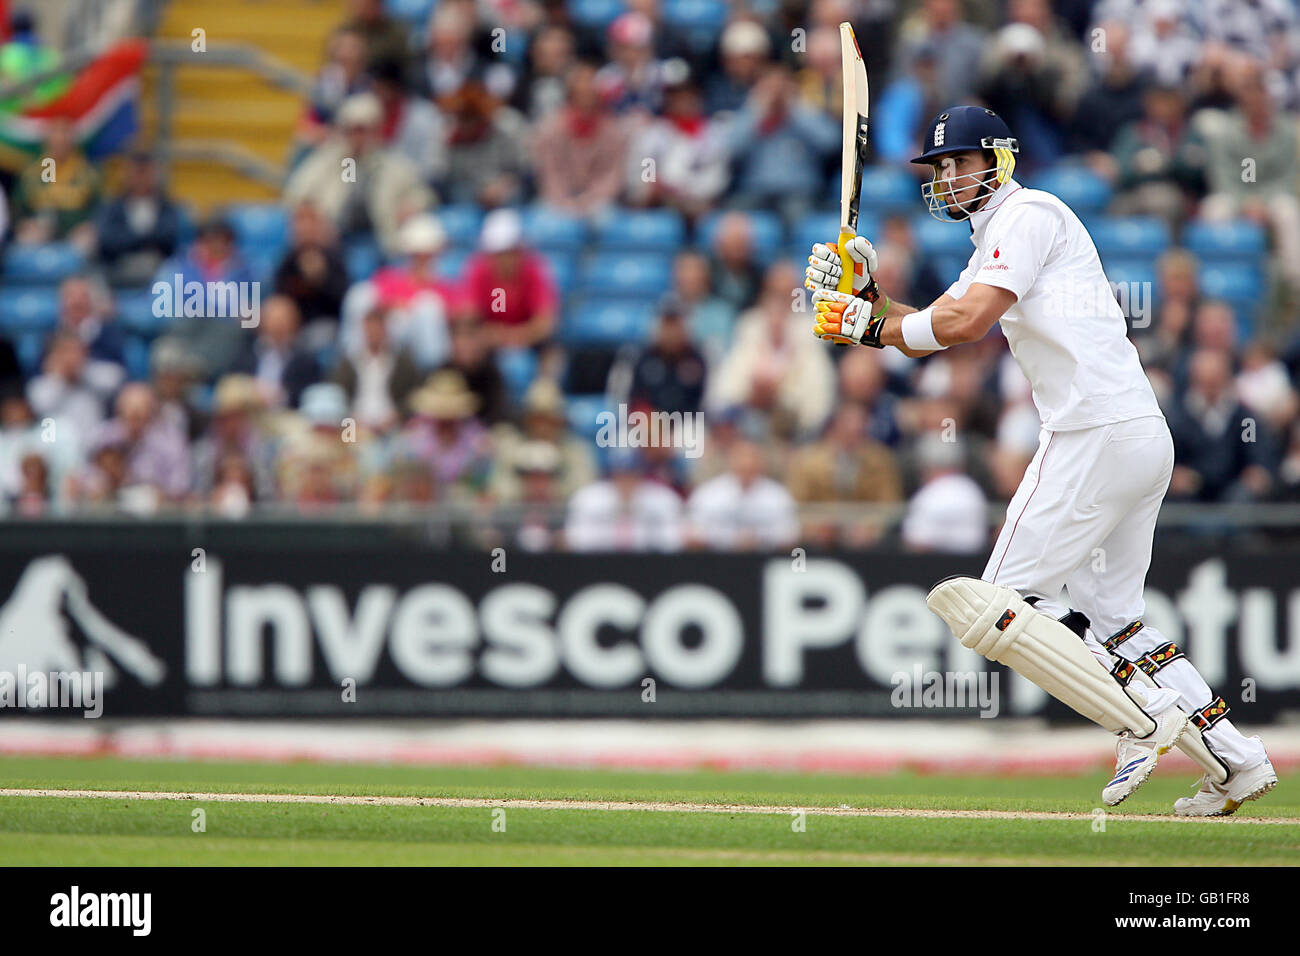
(445, 433)
(385, 35)
(236, 430)
(536, 523)
(509, 286)
(742, 509)
(486, 148)
(544, 420)
(746, 50)
(948, 512)
(378, 377)
(684, 148)
(845, 465)
(386, 187)
(56, 195)
(418, 300)
(624, 512)
(318, 465)
(633, 78)
(155, 456)
(313, 272)
(472, 356)
(581, 151)
(140, 228)
(276, 357)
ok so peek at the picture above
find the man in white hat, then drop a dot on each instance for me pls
(509, 287)
(360, 185)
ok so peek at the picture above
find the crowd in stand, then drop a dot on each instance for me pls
(444, 371)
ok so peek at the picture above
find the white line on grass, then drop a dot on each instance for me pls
(479, 803)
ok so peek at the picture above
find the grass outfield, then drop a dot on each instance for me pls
(121, 830)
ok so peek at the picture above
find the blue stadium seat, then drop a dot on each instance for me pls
(1237, 240)
(700, 21)
(564, 270)
(626, 273)
(768, 232)
(413, 12)
(603, 321)
(30, 347)
(259, 226)
(582, 412)
(136, 352)
(47, 264)
(659, 230)
(451, 264)
(34, 309)
(886, 190)
(1130, 270)
(362, 257)
(1239, 282)
(551, 229)
(595, 13)
(262, 263)
(518, 367)
(1129, 237)
(462, 222)
(942, 238)
(1077, 186)
(134, 310)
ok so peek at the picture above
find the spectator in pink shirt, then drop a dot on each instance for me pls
(509, 287)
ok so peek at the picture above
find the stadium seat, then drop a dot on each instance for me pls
(413, 12)
(595, 13)
(551, 229)
(768, 232)
(626, 273)
(700, 21)
(34, 309)
(259, 226)
(451, 264)
(1236, 240)
(518, 367)
(362, 257)
(942, 238)
(134, 310)
(656, 230)
(30, 347)
(886, 190)
(582, 412)
(603, 321)
(1129, 237)
(1077, 186)
(462, 222)
(1234, 281)
(47, 264)
(1130, 271)
(824, 227)
(564, 270)
(136, 352)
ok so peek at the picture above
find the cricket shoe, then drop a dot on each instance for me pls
(1219, 800)
(1135, 757)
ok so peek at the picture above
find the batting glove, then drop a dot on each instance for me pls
(824, 268)
(848, 320)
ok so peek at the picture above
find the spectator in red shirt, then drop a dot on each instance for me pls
(509, 287)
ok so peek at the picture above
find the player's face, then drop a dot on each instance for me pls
(958, 179)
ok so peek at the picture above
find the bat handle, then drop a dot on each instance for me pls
(846, 261)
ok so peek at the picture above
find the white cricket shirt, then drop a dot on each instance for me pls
(1066, 330)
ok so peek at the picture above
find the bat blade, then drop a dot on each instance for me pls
(856, 142)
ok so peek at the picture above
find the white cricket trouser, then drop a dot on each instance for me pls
(1083, 519)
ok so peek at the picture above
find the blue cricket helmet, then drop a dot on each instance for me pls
(966, 127)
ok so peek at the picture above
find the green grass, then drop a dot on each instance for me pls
(96, 831)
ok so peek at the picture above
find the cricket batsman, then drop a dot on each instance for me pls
(1102, 467)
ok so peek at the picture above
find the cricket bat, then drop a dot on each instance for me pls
(854, 155)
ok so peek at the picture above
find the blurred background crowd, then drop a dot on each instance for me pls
(500, 219)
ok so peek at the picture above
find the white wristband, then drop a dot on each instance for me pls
(918, 332)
